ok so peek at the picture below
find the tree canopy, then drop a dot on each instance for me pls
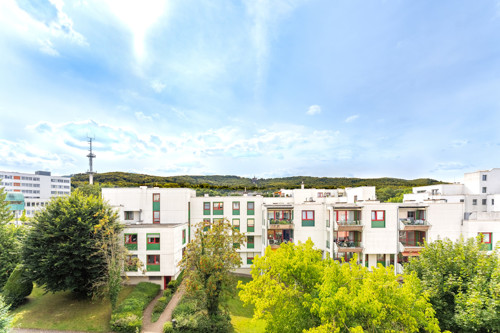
(295, 290)
(61, 251)
(208, 261)
(463, 283)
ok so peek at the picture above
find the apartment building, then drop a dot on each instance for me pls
(37, 188)
(341, 222)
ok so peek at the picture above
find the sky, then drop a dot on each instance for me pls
(392, 88)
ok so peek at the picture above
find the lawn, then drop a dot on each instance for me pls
(241, 316)
(60, 311)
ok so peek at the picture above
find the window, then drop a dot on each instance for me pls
(218, 208)
(236, 208)
(156, 217)
(184, 236)
(328, 223)
(484, 190)
(206, 223)
(129, 215)
(378, 218)
(206, 208)
(381, 259)
(250, 225)
(156, 197)
(250, 208)
(492, 202)
(308, 218)
(153, 263)
(131, 241)
(485, 177)
(250, 242)
(486, 240)
(153, 242)
(236, 224)
(474, 202)
(131, 263)
(250, 260)
(483, 201)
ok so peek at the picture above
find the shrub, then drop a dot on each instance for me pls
(5, 319)
(17, 288)
(167, 328)
(127, 318)
(200, 322)
(186, 306)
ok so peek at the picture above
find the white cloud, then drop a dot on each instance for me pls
(351, 118)
(141, 116)
(47, 48)
(313, 109)
(158, 86)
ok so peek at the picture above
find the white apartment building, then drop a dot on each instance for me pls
(37, 188)
(341, 222)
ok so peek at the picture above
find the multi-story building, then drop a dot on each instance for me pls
(37, 188)
(341, 222)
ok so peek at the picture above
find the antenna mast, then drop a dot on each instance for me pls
(90, 156)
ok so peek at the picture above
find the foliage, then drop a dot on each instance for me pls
(225, 185)
(167, 327)
(10, 241)
(208, 261)
(18, 287)
(189, 317)
(5, 318)
(111, 247)
(462, 282)
(328, 296)
(62, 251)
(127, 317)
(90, 189)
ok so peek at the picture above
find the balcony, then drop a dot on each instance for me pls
(409, 224)
(349, 225)
(349, 246)
(411, 248)
(275, 243)
(280, 224)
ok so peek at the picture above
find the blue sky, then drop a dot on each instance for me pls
(267, 88)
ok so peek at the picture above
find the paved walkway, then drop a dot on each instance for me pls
(157, 327)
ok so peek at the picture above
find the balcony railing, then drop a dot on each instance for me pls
(349, 222)
(409, 221)
(348, 244)
(283, 221)
(412, 243)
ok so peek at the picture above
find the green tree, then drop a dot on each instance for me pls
(208, 261)
(295, 290)
(462, 282)
(61, 251)
(5, 318)
(10, 241)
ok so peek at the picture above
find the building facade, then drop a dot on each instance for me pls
(342, 223)
(37, 188)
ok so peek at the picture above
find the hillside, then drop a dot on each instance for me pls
(223, 185)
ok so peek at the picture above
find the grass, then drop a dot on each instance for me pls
(241, 316)
(61, 311)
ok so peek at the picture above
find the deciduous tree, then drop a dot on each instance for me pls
(463, 283)
(295, 290)
(61, 251)
(10, 236)
(208, 261)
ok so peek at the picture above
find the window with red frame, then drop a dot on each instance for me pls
(308, 218)
(131, 239)
(153, 259)
(156, 217)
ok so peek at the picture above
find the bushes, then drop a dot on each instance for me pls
(5, 319)
(190, 319)
(127, 318)
(17, 288)
(167, 328)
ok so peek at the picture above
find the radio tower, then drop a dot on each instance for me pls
(90, 156)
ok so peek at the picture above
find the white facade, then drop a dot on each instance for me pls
(341, 222)
(37, 188)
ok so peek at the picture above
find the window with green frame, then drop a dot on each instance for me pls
(206, 224)
(236, 208)
(206, 208)
(486, 241)
(250, 242)
(308, 218)
(236, 224)
(153, 263)
(250, 260)
(218, 208)
(131, 241)
(153, 241)
(183, 236)
(129, 215)
(250, 208)
(250, 225)
(378, 218)
(131, 263)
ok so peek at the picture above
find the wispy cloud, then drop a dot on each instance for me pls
(47, 48)
(158, 86)
(313, 109)
(351, 118)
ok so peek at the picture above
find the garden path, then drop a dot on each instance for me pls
(157, 327)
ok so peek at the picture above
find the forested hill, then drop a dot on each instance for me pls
(225, 184)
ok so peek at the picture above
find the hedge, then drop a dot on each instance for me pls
(17, 288)
(127, 318)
